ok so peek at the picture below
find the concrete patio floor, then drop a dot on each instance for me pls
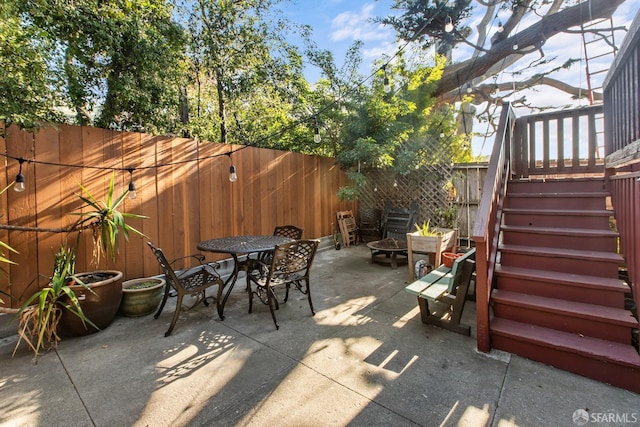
(365, 359)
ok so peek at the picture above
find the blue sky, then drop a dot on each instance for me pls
(338, 23)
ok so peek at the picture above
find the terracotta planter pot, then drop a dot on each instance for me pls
(99, 306)
(141, 301)
(448, 258)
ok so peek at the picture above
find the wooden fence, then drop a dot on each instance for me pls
(182, 187)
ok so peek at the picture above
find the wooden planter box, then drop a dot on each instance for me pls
(446, 241)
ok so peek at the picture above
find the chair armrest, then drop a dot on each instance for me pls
(208, 267)
(257, 268)
(198, 257)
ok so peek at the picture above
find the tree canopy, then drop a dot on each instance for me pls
(226, 71)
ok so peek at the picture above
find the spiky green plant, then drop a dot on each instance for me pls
(106, 222)
(40, 314)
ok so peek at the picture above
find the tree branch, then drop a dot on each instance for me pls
(484, 93)
(541, 30)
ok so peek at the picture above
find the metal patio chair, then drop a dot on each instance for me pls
(290, 265)
(192, 281)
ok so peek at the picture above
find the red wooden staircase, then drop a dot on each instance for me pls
(557, 297)
(548, 283)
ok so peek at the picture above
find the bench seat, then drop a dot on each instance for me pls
(448, 286)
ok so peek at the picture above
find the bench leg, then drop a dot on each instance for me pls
(452, 324)
(425, 314)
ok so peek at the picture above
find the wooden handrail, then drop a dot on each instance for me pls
(486, 229)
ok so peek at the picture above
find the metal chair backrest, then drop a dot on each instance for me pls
(290, 231)
(292, 261)
(170, 275)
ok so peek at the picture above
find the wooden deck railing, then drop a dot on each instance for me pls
(560, 142)
(487, 227)
(622, 126)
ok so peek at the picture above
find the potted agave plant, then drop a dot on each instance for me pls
(75, 304)
(100, 292)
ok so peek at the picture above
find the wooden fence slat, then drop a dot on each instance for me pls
(48, 200)
(21, 211)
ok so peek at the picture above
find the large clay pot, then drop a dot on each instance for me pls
(139, 299)
(99, 306)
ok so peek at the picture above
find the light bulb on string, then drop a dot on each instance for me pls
(316, 133)
(515, 46)
(500, 27)
(233, 176)
(448, 24)
(132, 186)
(19, 186)
(469, 87)
(386, 85)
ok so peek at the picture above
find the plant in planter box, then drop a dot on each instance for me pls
(431, 241)
(107, 223)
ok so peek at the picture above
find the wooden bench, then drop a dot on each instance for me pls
(449, 286)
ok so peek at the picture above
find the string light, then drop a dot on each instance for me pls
(387, 86)
(448, 24)
(500, 27)
(469, 87)
(19, 186)
(132, 186)
(316, 133)
(233, 177)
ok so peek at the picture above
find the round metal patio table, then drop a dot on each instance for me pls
(239, 245)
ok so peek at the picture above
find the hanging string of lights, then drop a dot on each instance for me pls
(20, 186)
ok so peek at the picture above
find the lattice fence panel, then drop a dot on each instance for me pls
(429, 190)
(427, 186)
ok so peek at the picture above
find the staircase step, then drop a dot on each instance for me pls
(613, 363)
(605, 291)
(596, 263)
(556, 185)
(545, 200)
(569, 218)
(596, 321)
(570, 238)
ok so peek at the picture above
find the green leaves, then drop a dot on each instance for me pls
(106, 221)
